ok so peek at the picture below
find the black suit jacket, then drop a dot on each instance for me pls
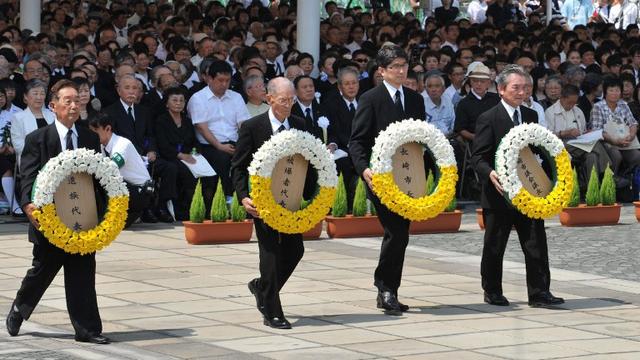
(253, 133)
(376, 110)
(42, 145)
(316, 112)
(491, 127)
(140, 133)
(340, 121)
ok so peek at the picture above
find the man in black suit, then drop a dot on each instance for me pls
(499, 215)
(279, 253)
(134, 122)
(306, 105)
(377, 108)
(79, 270)
(340, 109)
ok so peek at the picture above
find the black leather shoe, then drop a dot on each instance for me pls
(387, 300)
(545, 299)
(164, 216)
(94, 339)
(14, 321)
(148, 217)
(403, 307)
(495, 299)
(277, 322)
(253, 287)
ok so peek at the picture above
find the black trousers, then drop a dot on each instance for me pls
(220, 161)
(345, 167)
(388, 274)
(166, 172)
(533, 241)
(185, 185)
(139, 200)
(79, 284)
(279, 256)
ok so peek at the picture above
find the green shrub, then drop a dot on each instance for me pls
(197, 209)
(372, 209)
(575, 193)
(431, 183)
(593, 191)
(452, 205)
(238, 213)
(608, 188)
(219, 210)
(360, 200)
(339, 208)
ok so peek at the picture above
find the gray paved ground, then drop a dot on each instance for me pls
(163, 299)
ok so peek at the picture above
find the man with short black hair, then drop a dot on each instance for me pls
(377, 108)
(217, 113)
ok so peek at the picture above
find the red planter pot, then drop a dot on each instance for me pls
(583, 215)
(208, 232)
(443, 223)
(353, 226)
(479, 218)
(314, 233)
(637, 205)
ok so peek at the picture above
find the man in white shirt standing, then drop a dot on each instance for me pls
(217, 113)
(438, 107)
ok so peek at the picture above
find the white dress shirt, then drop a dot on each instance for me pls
(62, 133)
(510, 110)
(223, 115)
(275, 123)
(392, 92)
(130, 163)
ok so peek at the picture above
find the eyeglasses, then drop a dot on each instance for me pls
(397, 67)
(361, 60)
(285, 101)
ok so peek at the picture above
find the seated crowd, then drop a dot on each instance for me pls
(161, 81)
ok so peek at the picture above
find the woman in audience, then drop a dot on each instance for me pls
(177, 142)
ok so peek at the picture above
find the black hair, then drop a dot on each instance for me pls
(219, 67)
(100, 120)
(297, 80)
(387, 54)
(569, 90)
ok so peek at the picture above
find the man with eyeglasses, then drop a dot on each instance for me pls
(377, 108)
(279, 252)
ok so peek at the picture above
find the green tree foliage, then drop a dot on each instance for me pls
(452, 205)
(608, 188)
(339, 208)
(238, 213)
(219, 210)
(360, 200)
(593, 191)
(574, 200)
(197, 209)
(431, 183)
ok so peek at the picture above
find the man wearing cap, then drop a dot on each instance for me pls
(499, 215)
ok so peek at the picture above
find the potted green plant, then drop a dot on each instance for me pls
(225, 226)
(600, 207)
(448, 221)
(359, 223)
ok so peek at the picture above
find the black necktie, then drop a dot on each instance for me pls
(281, 129)
(398, 102)
(130, 113)
(307, 114)
(516, 118)
(352, 108)
(69, 140)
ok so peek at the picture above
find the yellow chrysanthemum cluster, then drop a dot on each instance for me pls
(544, 207)
(83, 242)
(418, 209)
(284, 220)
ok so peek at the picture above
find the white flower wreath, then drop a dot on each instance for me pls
(77, 161)
(285, 144)
(506, 165)
(384, 186)
(51, 176)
